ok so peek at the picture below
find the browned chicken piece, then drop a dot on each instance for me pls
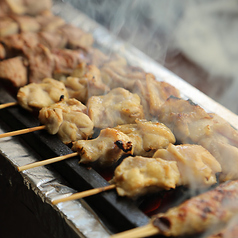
(147, 136)
(4, 9)
(153, 94)
(107, 148)
(85, 82)
(20, 44)
(26, 23)
(41, 63)
(230, 230)
(8, 26)
(50, 22)
(117, 107)
(66, 61)
(14, 70)
(117, 73)
(189, 165)
(137, 176)
(196, 165)
(96, 57)
(29, 7)
(36, 96)
(52, 40)
(77, 38)
(68, 119)
(200, 213)
(193, 125)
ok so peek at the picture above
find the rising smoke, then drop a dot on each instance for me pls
(205, 31)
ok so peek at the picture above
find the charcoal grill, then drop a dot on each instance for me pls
(108, 212)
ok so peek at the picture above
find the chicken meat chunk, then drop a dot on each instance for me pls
(36, 96)
(147, 136)
(137, 176)
(193, 125)
(117, 107)
(153, 94)
(206, 211)
(197, 167)
(68, 119)
(107, 148)
(85, 81)
(188, 165)
(117, 73)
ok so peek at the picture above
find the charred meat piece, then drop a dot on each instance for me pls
(193, 125)
(68, 119)
(200, 213)
(14, 70)
(153, 94)
(147, 136)
(117, 107)
(196, 165)
(85, 82)
(107, 148)
(36, 96)
(137, 176)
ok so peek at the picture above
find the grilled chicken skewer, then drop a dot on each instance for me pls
(138, 175)
(142, 138)
(196, 215)
(67, 118)
(36, 96)
(192, 124)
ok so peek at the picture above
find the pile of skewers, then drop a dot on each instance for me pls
(165, 141)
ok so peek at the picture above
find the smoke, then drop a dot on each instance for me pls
(205, 31)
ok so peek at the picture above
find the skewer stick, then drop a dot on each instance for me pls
(84, 194)
(144, 231)
(9, 104)
(47, 161)
(23, 131)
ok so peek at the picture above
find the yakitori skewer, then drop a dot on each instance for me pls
(84, 194)
(9, 104)
(46, 162)
(23, 131)
(208, 210)
(138, 175)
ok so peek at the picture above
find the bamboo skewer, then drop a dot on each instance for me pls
(144, 231)
(84, 194)
(23, 131)
(46, 162)
(9, 104)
